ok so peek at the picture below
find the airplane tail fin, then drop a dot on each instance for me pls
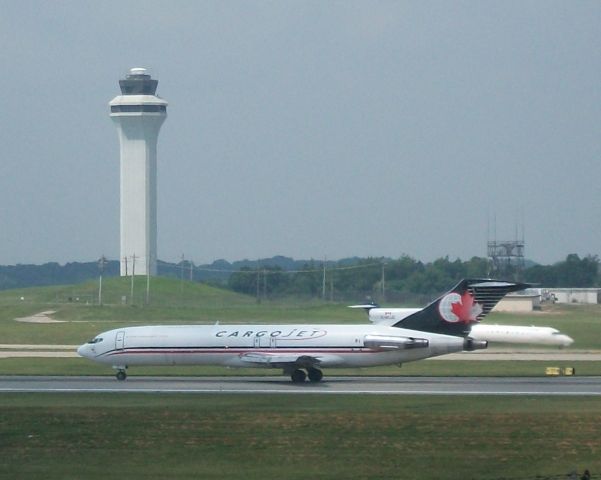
(467, 303)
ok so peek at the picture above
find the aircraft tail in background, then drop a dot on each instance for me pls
(456, 311)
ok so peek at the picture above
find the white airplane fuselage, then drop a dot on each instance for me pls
(520, 334)
(263, 345)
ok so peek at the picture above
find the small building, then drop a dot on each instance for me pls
(588, 296)
(518, 303)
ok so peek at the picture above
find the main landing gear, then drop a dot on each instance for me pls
(299, 376)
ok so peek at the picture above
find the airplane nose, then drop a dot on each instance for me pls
(565, 340)
(82, 350)
(568, 341)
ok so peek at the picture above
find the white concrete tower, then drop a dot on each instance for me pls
(138, 114)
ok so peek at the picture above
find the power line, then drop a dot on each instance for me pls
(265, 271)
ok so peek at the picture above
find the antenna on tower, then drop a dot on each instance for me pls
(506, 257)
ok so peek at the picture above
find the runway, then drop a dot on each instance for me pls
(540, 386)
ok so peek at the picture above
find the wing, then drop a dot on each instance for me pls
(281, 360)
(390, 342)
(374, 342)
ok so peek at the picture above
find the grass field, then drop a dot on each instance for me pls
(269, 437)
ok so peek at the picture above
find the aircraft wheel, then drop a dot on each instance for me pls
(315, 374)
(298, 376)
(121, 375)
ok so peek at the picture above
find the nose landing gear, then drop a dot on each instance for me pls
(121, 375)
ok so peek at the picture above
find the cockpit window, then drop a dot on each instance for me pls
(96, 340)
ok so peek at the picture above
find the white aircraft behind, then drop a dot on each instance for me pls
(520, 334)
(302, 350)
(479, 331)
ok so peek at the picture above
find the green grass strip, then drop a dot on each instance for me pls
(273, 436)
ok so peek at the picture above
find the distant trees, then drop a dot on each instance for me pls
(383, 279)
(263, 282)
(19, 276)
(367, 277)
(403, 276)
(572, 272)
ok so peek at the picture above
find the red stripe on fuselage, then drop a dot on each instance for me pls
(239, 351)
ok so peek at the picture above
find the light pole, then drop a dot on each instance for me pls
(133, 274)
(383, 281)
(148, 283)
(101, 264)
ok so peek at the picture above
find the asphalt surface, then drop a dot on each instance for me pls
(542, 386)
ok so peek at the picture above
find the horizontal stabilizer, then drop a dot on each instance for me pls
(366, 306)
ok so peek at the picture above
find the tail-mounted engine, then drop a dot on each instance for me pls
(469, 344)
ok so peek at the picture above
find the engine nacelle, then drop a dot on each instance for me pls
(469, 344)
(388, 342)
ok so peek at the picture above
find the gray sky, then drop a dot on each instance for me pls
(307, 129)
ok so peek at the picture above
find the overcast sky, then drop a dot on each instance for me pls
(309, 129)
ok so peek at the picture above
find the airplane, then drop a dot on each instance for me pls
(301, 351)
(521, 334)
(479, 331)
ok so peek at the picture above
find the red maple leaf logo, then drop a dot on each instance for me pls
(467, 309)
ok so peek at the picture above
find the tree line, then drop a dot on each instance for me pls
(352, 278)
(402, 278)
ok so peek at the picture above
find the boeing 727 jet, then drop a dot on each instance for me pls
(301, 351)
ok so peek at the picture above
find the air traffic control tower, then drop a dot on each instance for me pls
(138, 114)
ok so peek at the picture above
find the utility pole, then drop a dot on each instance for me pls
(182, 268)
(323, 280)
(101, 264)
(133, 274)
(148, 281)
(181, 283)
(383, 282)
(258, 285)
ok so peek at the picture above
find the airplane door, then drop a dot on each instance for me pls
(119, 340)
(271, 341)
